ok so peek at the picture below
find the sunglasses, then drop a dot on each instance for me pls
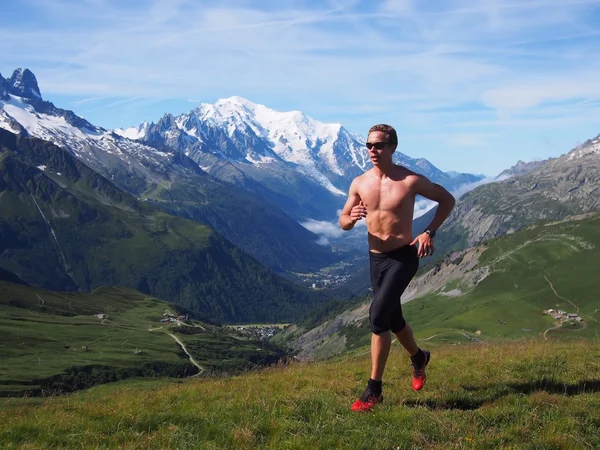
(377, 145)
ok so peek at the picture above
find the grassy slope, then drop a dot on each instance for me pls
(523, 394)
(266, 232)
(40, 340)
(43, 333)
(523, 266)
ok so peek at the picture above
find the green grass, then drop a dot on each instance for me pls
(40, 340)
(525, 267)
(44, 334)
(527, 394)
(551, 265)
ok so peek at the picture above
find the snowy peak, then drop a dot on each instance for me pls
(239, 130)
(133, 133)
(293, 136)
(24, 84)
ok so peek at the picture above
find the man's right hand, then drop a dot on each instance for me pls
(358, 212)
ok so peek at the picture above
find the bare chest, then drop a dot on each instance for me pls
(385, 195)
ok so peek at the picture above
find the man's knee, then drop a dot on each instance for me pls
(399, 325)
(379, 329)
(379, 323)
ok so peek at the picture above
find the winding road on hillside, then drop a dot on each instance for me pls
(560, 325)
(192, 360)
(556, 293)
(182, 345)
(447, 332)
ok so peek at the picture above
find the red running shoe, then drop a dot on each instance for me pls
(367, 401)
(419, 376)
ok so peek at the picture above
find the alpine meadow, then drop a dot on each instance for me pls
(300, 225)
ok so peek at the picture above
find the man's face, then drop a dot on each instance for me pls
(378, 146)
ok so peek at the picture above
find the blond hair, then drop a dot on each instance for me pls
(389, 131)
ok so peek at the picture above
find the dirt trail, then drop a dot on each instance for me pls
(181, 344)
(584, 324)
(192, 360)
(556, 293)
(550, 329)
(441, 334)
(583, 327)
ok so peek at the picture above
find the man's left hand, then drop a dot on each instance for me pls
(425, 245)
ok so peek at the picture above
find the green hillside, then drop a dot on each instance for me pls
(64, 227)
(254, 225)
(62, 341)
(527, 394)
(497, 290)
(549, 266)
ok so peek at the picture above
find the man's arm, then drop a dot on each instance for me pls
(445, 201)
(437, 193)
(354, 209)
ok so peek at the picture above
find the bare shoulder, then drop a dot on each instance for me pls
(359, 179)
(356, 182)
(408, 176)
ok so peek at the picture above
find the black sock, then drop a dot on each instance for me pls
(419, 359)
(375, 386)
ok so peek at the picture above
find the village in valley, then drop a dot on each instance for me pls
(169, 317)
(563, 316)
(260, 332)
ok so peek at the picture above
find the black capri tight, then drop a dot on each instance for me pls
(390, 274)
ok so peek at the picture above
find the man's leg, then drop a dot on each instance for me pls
(380, 350)
(418, 357)
(406, 338)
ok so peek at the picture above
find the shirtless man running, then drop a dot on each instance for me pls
(385, 196)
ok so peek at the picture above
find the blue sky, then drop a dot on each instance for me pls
(471, 86)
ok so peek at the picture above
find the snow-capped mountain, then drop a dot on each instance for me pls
(22, 110)
(250, 135)
(297, 163)
(167, 178)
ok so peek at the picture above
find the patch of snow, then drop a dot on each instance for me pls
(133, 133)
(592, 148)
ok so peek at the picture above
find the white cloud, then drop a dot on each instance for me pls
(430, 67)
(323, 228)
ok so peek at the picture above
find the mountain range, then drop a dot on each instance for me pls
(167, 178)
(552, 189)
(220, 163)
(249, 173)
(281, 156)
(65, 227)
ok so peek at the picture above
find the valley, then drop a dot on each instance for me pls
(225, 215)
(60, 342)
(175, 268)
